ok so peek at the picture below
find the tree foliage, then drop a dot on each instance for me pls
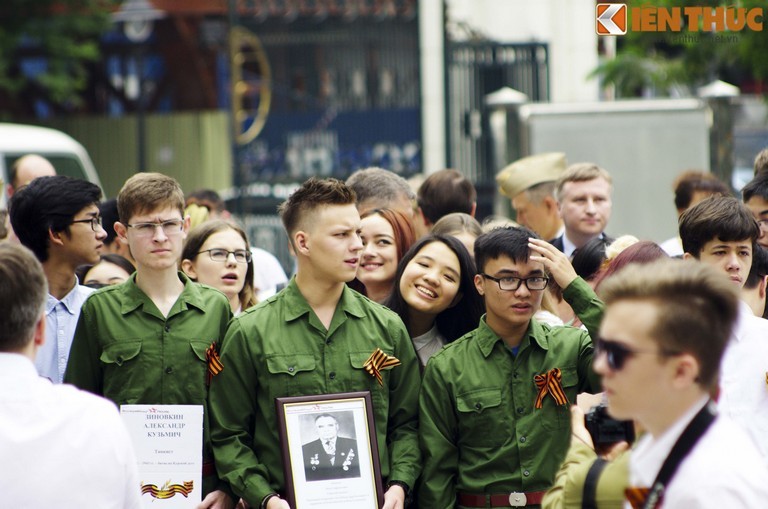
(60, 37)
(666, 63)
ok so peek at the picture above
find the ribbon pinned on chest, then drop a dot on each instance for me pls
(550, 383)
(214, 363)
(379, 361)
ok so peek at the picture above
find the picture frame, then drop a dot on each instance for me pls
(330, 451)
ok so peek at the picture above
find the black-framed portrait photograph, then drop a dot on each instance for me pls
(330, 454)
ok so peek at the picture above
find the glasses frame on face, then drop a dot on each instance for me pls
(241, 255)
(617, 354)
(511, 283)
(170, 228)
(95, 222)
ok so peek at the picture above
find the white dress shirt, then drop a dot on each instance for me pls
(267, 273)
(61, 447)
(743, 383)
(722, 470)
(60, 321)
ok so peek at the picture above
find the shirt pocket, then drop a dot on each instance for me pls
(123, 372)
(558, 417)
(194, 378)
(287, 371)
(365, 381)
(479, 413)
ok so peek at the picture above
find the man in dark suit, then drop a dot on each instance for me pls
(330, 456)
(584, 201)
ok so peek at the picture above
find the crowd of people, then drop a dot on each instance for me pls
(482, 345)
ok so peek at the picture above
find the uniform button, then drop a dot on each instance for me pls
(328, 341)
(169, 370)
(520, 410)
(526, 473)
(119, 359)
(514, 375)
(522, 440)
(478, 406)
(332, 375)
(167, 328)
(290, 369)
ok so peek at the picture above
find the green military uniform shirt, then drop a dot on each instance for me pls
(125, 350)
(280, 348)
(479, 430)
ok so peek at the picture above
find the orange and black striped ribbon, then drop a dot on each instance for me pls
(214, 362)
(379, 361)
(636, 496)
(550, 383)
(168, 490)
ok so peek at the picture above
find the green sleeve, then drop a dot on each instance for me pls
(403, 418)
(232, 401)
(438, 430)
(83, 366)
(585, 303)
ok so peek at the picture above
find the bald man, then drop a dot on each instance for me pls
(27, 168)
(22, 172)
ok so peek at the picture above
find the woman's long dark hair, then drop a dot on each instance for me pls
(455, 321)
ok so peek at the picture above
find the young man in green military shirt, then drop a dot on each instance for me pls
(313, 338)
(494, 404)
(145, 341)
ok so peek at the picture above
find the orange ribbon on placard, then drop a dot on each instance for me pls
(168, 490)
(379, 361)
(550, 383)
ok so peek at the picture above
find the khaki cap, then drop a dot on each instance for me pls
(529, 171)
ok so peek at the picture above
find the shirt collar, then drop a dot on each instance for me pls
(72, 301)
(296, 305)
(487, 337)
(135, 297)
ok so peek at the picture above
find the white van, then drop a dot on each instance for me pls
(67, 155)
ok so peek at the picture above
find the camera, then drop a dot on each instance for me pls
(605, 430)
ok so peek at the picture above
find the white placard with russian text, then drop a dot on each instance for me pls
(169, 449)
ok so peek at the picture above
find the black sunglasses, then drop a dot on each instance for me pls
(616, 354)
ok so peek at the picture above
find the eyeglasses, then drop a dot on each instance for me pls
(95, 222)
(170, 227)
(617, 354)
(510, 284)
(222, 255)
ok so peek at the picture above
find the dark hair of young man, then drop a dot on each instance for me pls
(109, 216)
(690, 182)
(23, 294)
(759, 267)
(313, 193)
(758, 186)
(455, 321)
(511, 241)
(696, 308)
(718, 217)
(49, 203)
(446, 191)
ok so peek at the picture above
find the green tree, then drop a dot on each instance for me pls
(64, 34)
(663, 62)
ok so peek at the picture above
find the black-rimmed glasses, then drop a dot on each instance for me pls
(511, 283)
(221, 255)
(94, 221)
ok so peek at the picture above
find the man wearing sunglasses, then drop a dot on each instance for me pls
(722, 232)
(665, 329)
(57, 217)
(494, 404)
